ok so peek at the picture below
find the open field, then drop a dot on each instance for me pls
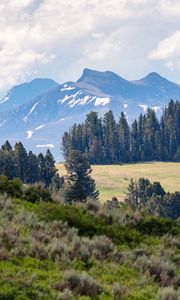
(112, 180)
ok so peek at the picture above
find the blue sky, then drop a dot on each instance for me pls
(59, 38)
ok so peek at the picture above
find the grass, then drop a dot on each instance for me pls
(112, 180)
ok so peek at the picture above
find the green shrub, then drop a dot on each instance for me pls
(35, 194)
(14, 188)
(157, 226)
(3, 184)
(168, 294)
(119, 291)
(81, 284)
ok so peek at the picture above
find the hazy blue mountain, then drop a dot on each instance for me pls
(23, 93)
(40, 120)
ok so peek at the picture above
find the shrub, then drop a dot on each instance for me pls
(56, 249)
(3, 183)
(66, 295)
(14, 188)
(81, 284)
(167, 294)
(171, 241)
(101, 247)
(119, 291)
(34, 194)
(158, 226)
(162, 271)
(92, 205)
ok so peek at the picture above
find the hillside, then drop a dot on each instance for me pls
(60, 252)
(112, 180)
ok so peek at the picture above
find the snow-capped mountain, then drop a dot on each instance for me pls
(40, 116)
(23, 93)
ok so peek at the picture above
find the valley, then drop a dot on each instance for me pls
(112, 180)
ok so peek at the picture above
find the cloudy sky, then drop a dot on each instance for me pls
(59, 38)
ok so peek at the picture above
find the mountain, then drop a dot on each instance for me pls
(40, 116)
(25, 92)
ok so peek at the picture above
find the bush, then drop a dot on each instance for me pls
(162, 271)
(168, 294)
(101, 247)
(119, 291)
(81, 284)
(35, 194)
(3, 184)
(14, 188)
(157, 226)
(66, 295)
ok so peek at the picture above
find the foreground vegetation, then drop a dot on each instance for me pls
(50, 250)
(58, 242)
(112, 180)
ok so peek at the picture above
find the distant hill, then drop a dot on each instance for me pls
(23, 93)
(40, 111)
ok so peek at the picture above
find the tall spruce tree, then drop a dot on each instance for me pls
(33, 168)
(21, 162)
(79, 184)
(124, 139)
(50, 169)
(110, 138)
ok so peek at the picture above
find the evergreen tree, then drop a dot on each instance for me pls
(135, 143)
(21, 162)
(33, 171)
(50, 169)
(124, 139)
(110, 138)
(79, 184)
(56, 183)
(7, 165)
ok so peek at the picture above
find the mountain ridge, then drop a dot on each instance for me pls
(41, 120)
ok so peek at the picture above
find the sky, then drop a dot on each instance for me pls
(59, 38)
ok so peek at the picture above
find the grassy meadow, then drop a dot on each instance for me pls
(112, 180)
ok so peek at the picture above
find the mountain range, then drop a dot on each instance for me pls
(38, 112)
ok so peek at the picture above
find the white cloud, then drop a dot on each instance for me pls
(168, 50)
(59, 38)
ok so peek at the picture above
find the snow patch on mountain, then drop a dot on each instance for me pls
(6, 98)
(144, 107)
(45, 146)
(86, 100)
(30, 112)
(39, 127)
(2, 123)
(29, 134)
(73, 102)
(101, 101)
(156, 108)
(69, 88)
(125, 105)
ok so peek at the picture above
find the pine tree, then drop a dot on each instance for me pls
(21, 162)
(42, 167)
(79, 184)
(134, 143)
(7, 165)
(124, 138)
(50, 169)
(33, 171)
(110, 138)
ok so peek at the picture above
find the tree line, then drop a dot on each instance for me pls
(28, 167)
(151, 198)
(106, 140)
